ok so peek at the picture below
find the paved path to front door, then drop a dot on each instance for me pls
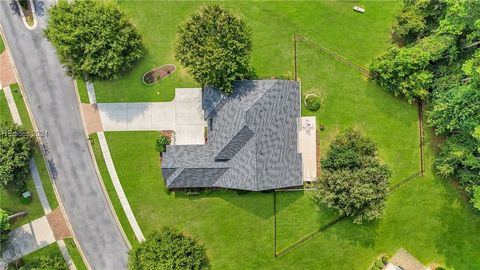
(184, 115)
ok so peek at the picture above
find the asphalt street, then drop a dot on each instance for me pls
(53, 102)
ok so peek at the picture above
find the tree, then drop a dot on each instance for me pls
(405, 71)
(50, 262)
(417, 19)
(215, 46)
(168, 250)
(353, 181)
(455, 110)
(15, 153)
(4, 227)
(459, 157)
(161, 143)
(93, 38)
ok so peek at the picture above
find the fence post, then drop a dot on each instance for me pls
(295, 56)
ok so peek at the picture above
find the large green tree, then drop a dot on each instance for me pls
(15, 153)
(439, 62)
(353, 181)
(93, 38)
(417, 18)
(407, 71)
(215, 46)
(168, 249)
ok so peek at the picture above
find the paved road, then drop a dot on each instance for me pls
(51, 97)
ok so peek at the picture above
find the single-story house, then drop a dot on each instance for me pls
(252, 140)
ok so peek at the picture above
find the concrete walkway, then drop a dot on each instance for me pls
(307, 145)
(12, 106)
(41, 195)
(91, 92)
(27, 239)
(183, 115)
(118, 187)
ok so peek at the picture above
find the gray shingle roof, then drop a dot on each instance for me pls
(252, 143)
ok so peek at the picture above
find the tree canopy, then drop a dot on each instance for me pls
(15, 153)
(437, 58)
(93, 38)
(168, 249)
(215, 46)
(353, 181)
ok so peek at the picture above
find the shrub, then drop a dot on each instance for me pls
(168, 250)
(215, 46)
(93, 38)
(385, 259)
(161, 143)
(15, 153)
(46, 262)
(313, 102)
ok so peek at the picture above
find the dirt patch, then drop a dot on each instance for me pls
(58, 224)
(92, 118)
(7, 74)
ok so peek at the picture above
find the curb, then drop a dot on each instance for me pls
(97, 171)
(34, 16)
(41, 145)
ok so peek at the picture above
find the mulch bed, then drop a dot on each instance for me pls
(158, 74)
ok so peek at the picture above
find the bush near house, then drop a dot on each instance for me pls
(215, 46)
(313, 102)
(94, 39)
(353, 181)
(168, 249)
(161, 143)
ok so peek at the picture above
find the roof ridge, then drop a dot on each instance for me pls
(246, 123)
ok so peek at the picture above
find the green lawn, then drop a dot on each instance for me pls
(2, 46)
(273, 25)
(82, 91)
(102, 167)
(429, 216)
(75, 254)
(351, 100)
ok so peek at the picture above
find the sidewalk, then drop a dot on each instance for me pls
(27, 239)
(118, 187)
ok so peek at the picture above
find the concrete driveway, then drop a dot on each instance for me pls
(184, 115)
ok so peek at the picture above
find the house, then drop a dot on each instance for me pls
(252, 140)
